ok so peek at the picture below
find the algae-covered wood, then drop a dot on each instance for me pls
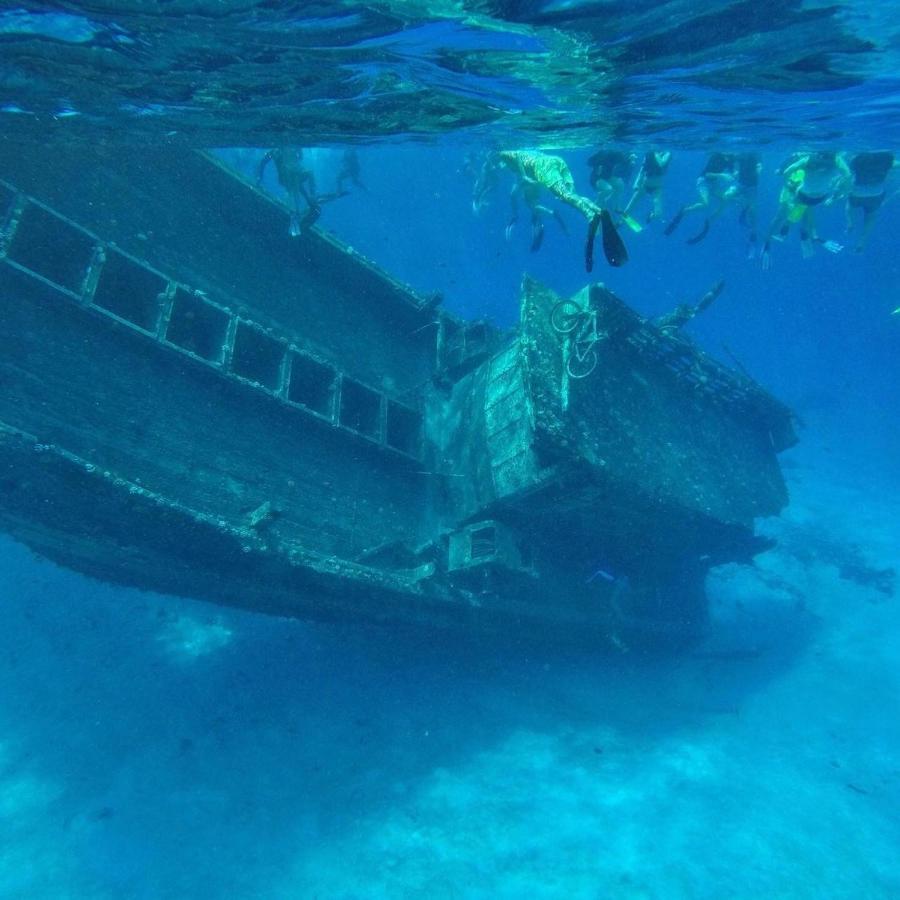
(289, 430)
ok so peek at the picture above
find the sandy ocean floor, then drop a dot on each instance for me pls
(159, 748)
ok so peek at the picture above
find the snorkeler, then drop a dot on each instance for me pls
(530, 191)
(541, 170)
(867, 191)
(349, 171)
(610, 171)
(810, 179)
(716, 186)
(649, 183)
(297, 181)
(748, 169)
(728, 179)
(486, 180)
(525, 189)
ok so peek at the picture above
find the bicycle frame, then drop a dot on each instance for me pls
(580, 326)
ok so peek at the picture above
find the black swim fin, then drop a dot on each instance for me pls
(676, 221)
(613, 246)
(589, 246)
(700, 234)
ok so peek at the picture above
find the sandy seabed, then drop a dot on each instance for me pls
(160, 748)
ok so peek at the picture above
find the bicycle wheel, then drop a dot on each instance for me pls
(581, 366)
(565, 316)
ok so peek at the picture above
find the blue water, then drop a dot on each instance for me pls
(156, 747)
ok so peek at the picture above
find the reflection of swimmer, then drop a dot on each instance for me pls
(297, 181)
(541, 170)
(810, 179)
(649, 183)
(867, 191)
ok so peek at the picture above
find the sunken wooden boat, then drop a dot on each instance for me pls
(195, 403)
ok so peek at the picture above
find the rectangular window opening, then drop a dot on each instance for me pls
(197, 326)
(483, 542)
(360, 408)
(403, 429)
(130, 291)
(257, 357)
(312, 385)
(52, 248)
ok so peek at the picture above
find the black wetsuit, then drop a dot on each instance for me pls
(608, 164)
(719, 164)
(748, 170)
(653, 168)
(869, 171)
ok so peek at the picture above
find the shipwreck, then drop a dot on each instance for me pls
(195, 403)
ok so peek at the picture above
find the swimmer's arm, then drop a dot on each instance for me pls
(796, 164)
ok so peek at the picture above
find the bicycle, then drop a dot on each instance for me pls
(568, 318)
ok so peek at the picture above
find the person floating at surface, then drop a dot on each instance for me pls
(728, 179)
(610, 171)
(748, 169)
(553, 174)
(349, 171)
(716, 186)
(524, 188)
(530, 193)
(649, 183)
(867, 191)
(297, 181)
(810, 179)
(486, 180)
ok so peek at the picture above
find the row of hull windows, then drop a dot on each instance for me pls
(47, 245)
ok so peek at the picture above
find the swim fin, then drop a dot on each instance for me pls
(702, 233)
(676, 221)
(589, 246)
(633, 224)
(613, 246)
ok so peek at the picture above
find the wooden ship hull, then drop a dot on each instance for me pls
(194, 402)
